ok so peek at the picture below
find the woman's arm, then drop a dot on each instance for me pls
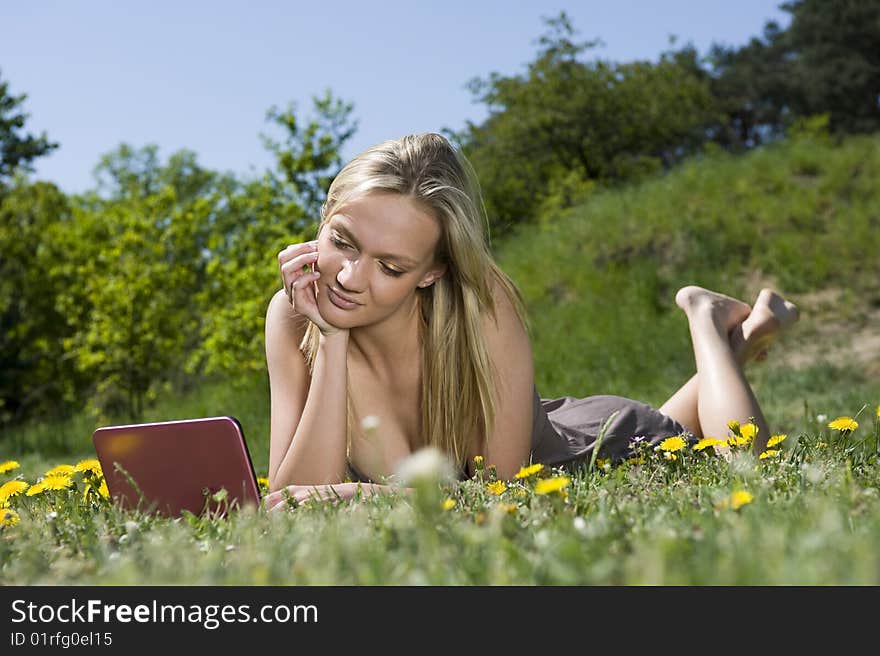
(308, 420)
(510, 350)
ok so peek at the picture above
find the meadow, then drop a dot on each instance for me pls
(599, 280)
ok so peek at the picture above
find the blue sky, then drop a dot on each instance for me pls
(201, 75)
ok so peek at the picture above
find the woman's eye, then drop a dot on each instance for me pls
(388, 270)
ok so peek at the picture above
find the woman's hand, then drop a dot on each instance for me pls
(297, 494)
(300, 282)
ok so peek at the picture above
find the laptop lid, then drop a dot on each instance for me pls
(178, 465)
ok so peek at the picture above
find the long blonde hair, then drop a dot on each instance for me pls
(458, 379)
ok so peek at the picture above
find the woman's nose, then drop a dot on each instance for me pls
(350, 275)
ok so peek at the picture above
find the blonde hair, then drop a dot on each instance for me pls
(458, 379)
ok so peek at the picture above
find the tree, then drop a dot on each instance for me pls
(126, 282)
(129, 172)
(17, 150)
(36, 374)
(252, 223)
(751, 86)
(826, 62)
(133, 261)
(596, 121)
(308, 159)
(834, 49)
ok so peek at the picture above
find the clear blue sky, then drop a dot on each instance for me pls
(201, 75)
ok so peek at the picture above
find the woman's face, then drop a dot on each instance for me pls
(376, 250)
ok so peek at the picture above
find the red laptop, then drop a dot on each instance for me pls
(178, 465)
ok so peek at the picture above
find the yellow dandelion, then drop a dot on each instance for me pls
(57, 482)
(706, 442)
(10, 489)
(103, 491)
(878, 412)
(776, 439)
(36, 488)
(496, 487)
(525, 472)
(671, 444)
(844, 424)
(549, 485)
(60, 470)
(738, 440)
(8, 466)
(769, 453)
(740, 498)
(478, 462)
(733, 425)
(448, 504)
(8, 517)
(90, 465)
(748, 431)
(263, 482)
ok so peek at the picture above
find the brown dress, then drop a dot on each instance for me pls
(564, 430)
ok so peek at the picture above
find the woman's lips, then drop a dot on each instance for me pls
(340, 302)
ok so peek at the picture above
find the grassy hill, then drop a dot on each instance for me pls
(802, 217)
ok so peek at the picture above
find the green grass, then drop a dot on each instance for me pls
(813, 520)
(599, 282)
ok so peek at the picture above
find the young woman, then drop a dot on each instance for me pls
(398, 311)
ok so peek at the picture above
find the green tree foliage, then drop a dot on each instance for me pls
(826, 62)
(589, 121)
(131, 271)
(32, 369)
(129, 172)
(307, 159)
(36, 371)
(251, 224)
(834, 49)
(750, 83)
(17, 150)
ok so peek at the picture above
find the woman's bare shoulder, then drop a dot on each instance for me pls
(506, 318)
(507, 336)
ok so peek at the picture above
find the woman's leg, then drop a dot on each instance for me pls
(722, 351)
(682, 406)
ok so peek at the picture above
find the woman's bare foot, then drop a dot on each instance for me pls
(726, 312)
(770, 315)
